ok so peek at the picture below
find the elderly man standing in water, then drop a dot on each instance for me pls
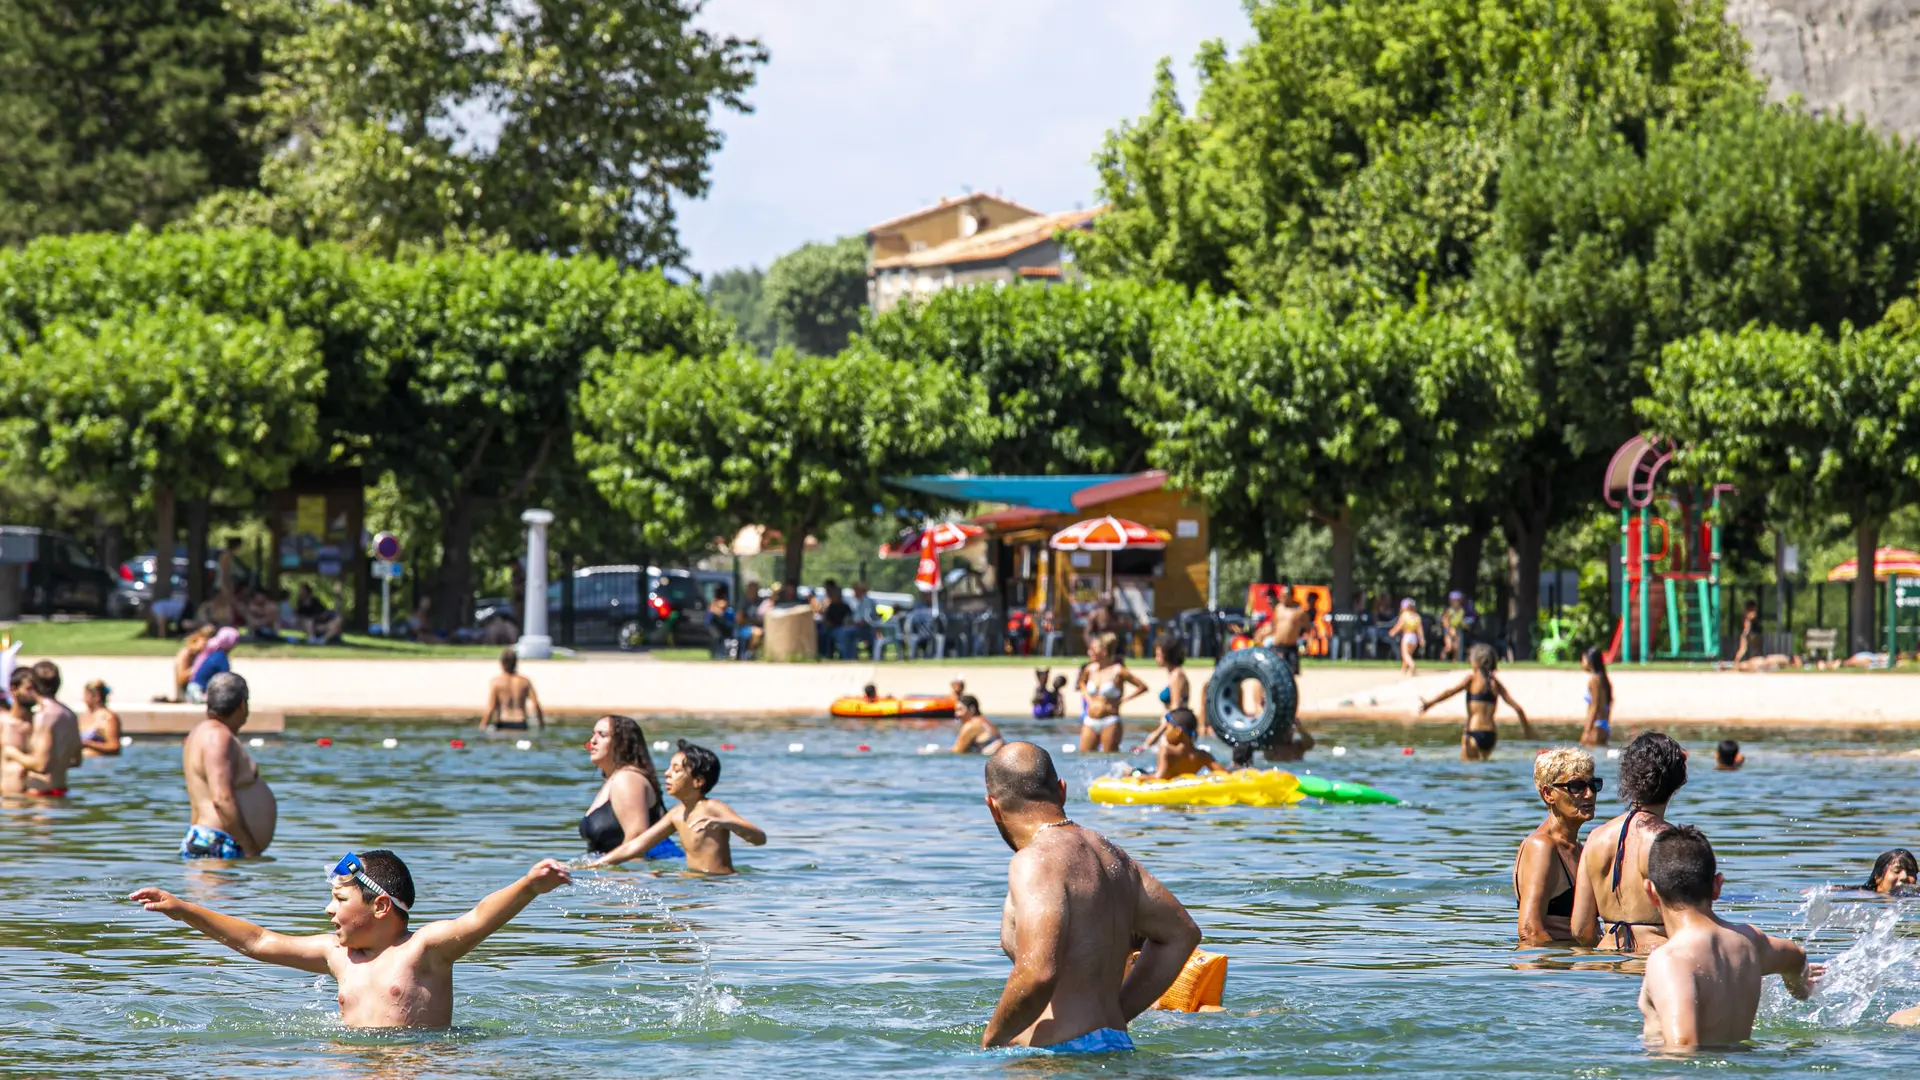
(1076, 905)
(233, 809)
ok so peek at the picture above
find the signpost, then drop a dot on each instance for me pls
(386, 552)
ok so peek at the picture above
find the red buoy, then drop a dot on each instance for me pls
(458, 744)
(864, 748)
(726, 746)
(323, 741)
(1406, 751)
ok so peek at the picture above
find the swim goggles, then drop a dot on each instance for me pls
(350, 868)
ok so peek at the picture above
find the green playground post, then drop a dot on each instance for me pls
(1673, 618)
(1709, 642)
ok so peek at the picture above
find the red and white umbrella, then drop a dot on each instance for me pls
(1887, 562)
(940, 536)
(1108, 534)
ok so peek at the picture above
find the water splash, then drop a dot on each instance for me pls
(705, 1003)
(1877, 974)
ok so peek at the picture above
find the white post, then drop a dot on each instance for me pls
(1213, 579)
(386, 603)
(534, 642)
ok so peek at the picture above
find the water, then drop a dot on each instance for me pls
(863, 938)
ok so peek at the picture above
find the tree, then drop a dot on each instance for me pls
(1275, 417)
(120, 113)
(380, 117)
(1821, 425)
(703, 446)
(815, 294)
(1051, 359)
(740, 294)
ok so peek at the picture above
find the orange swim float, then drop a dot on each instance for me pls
(912, 707)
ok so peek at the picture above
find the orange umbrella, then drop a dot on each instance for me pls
(1887, 562)
(1108, 534)
(941, 536)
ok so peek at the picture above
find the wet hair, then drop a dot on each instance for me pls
(1681, 866)
(226, 695)
(1561, 764)
(702, 764)
(1185, 720)
(1898, 857)
(46, 678)
(1483, 659)
(1171, 651)
(1020, 775)
(1242, 755)
(1727, 751)
(386, 870)
(1652, 768)
(969, 703)
(509, 660)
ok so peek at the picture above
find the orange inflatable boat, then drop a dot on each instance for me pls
(912, 707)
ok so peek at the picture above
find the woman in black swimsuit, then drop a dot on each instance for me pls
(1543, 870)
(1484, 691)
(630, 800)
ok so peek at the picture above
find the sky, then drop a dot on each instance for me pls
(870, 108)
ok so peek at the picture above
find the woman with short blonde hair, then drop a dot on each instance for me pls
(1543, 870)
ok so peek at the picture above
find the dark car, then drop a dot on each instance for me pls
(52, 572)
(607, 608)
(134, 590)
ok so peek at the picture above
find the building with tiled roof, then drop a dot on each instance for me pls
(965, 241)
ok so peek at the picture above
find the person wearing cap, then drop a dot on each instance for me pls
(389, 974)
(100, 727)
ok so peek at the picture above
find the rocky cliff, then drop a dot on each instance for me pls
(1860, 56)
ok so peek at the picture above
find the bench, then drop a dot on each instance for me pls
(1822, 641)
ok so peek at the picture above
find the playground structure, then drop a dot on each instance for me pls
(1669, 598)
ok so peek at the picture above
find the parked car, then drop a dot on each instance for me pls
(56, 573)
(133, 592)
(607, 608)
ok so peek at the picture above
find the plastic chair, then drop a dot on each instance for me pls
(888, 634)
(918, 635)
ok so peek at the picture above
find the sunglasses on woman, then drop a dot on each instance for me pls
(1577, 788)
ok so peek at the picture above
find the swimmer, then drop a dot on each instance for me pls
(388, 975)
(1179, 754)
(958, 687)
(508, 696)
(1599, 727)
(16, 730)
(870, 692)
(1893, 872)
(704, 824)
(101, 736)
(52, 744)
(976, 731)
(1613, 868)
(1105, 682)
(234, 810)
(1727, 756)
(630, 799)
(1702, 988)
(1076, 907)
(1543, 870)
(1484, 693)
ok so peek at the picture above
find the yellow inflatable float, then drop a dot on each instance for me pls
(1247, 787)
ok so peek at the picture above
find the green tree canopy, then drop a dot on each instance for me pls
(698, 447)
(740, 294)
(815, 294)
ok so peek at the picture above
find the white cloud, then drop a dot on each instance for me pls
(870, 108)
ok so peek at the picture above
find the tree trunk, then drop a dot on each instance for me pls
(1463, 564)
(453, 599)
(1345, 536)
(197, 514)
(1863, 632)
(164, 532)
(1526, 546)
(1269, 570)
(796, 549)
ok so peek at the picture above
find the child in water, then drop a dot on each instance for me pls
(1180, 755)
(389, 974)
(1727, 756)
(704, 824)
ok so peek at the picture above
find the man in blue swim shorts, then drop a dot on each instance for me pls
(1076, 905)
(233, 809)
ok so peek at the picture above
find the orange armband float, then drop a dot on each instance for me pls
(1198, 988)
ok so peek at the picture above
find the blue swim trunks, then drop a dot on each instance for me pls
(207, 842)
(666, 849)
(1104, 1041)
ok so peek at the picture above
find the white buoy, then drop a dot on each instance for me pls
(523, 744)
(389, 743)
(256, 741)
(795, 748)
(1068, 748)
(660, 744)
(126, 741)
(1339, 751)
(1611, 754)
(930, 748)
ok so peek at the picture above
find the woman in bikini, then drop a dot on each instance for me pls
(1484, 693)
(1172, 656)
(1105, 683)
(1411, 631)
(1611, 883)
(1543, 870)
(1599, 700)
(100, 727)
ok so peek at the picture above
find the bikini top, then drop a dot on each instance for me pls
(1485, 696)
(1561, 903)
(1166, 697)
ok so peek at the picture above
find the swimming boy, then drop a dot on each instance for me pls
(1702, 988)
(52, 744)
(1076, 907)
(1727, 756)
(1180, 755)
(389, 974)
(508, 696)
(234, 811)
(704, 824)
(976, 731)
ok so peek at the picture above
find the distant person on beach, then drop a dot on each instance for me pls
(1077, 906)
(1894, 872)
(1285, 626)
(1453, 627)
(704, 825)
(1484, 692)
(1599, 728)
(389, 975)
(212, 661)
(1727, 756)
(977, 733)
(1769, 662)
(1180, 753)
(1611, 884)
(1543, 871)
(234, 811)
(631, 799)
(1702, 987)
(100, 728)
(52, 743)
(511, 699)
(1410, 631)
(185, 660)
(318, 621)
(1750, 645)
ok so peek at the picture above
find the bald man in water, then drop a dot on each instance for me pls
(1076, 905)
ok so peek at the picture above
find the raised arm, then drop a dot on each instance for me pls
(1038, 903)
(1167, 936)
(1789, 961)
(303, 953)
(721, 818)
(1426, 703)
(636, 846)
(216, 762)
(1501, 687)
(451, 939)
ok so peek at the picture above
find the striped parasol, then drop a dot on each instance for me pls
(1887, 562)
(1108, 534)
(942, 536)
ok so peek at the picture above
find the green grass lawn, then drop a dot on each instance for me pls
(122, 637)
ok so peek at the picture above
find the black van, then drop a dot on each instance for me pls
(50, 572)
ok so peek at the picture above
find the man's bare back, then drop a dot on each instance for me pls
(1702, 987)
(225, 789)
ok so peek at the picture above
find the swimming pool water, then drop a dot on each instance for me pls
(863, 939)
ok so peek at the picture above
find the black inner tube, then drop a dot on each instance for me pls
(1273, 724)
